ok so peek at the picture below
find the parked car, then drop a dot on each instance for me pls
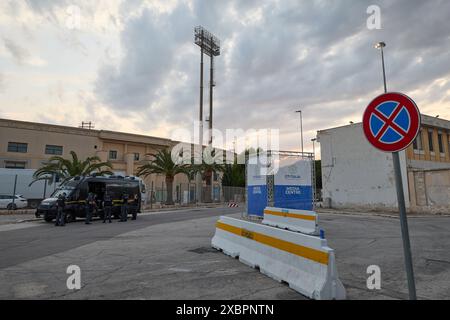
(6, 202)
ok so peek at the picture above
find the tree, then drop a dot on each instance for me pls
(211, 164)
(318, 166)
(234, 175)
(68, 168)
(163, 164)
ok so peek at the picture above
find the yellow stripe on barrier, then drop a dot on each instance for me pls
(305, 252)
(290, 215)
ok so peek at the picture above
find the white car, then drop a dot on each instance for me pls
(6, 202)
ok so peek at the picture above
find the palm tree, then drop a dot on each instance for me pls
(163, 164)
(234, 175)
(68, 168)
(207, 169)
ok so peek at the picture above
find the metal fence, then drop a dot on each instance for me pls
(186, 193)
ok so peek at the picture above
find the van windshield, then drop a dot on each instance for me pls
(70, 184)
(60, 191)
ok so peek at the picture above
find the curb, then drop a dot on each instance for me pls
(16, 212)
(145, 211)
(380, 214)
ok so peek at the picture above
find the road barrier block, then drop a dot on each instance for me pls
(304, 221)
(303, 261)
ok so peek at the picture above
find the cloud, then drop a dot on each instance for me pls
(276, 57)
(20, 55)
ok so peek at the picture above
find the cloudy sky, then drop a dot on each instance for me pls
(132, 66)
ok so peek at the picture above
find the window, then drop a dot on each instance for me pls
(14, 165)
(55, 150)
(440, 142)
(430, 140)
(417, 143)
(136, 156)
(17, 147)
(112, 154)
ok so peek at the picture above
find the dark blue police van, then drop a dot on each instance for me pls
(78, 188)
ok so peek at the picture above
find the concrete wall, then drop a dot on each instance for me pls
(355, 174)
(430, 191)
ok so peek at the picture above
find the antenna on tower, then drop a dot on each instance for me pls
(87, 125)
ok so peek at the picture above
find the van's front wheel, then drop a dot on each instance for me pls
(70, 216)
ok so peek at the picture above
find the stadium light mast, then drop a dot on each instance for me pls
(209, 45)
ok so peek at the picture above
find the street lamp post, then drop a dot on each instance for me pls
(381, 45)
(301, 128)
(401, 202)
(314, 172)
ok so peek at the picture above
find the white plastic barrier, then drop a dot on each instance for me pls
(296, 220)
(303, 261)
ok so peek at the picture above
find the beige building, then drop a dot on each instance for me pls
(428, 161)
(27, 145)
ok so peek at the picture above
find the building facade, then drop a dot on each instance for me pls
(28, 145)
(356, 175)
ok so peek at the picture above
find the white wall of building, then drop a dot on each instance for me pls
(355, 174)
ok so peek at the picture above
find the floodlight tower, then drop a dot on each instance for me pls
(209, 45)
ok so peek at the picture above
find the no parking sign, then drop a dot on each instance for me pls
(391, 122)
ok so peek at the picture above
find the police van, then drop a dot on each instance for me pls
(78, 188)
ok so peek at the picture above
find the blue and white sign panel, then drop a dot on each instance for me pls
(293, 184)
(256, 188)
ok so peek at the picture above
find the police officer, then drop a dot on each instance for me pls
(136, 206)
(107, 207)
(90, 205)
(61, 216)
(124, 209)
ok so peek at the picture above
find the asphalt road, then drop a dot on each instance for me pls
(168, 255)
(19, 245)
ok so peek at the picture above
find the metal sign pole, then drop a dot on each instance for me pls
(401, 203)
(404, 227)
(270, 181)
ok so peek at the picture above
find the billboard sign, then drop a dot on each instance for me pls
(256, 187)
(293, 184)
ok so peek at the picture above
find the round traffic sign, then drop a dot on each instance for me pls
(391, 122)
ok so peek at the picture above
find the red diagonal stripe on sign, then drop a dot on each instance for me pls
(389, 122)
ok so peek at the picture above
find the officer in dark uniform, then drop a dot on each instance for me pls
(90, 205)
(61, 216)
(124, 208)
(136, 206)
(107, 207)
